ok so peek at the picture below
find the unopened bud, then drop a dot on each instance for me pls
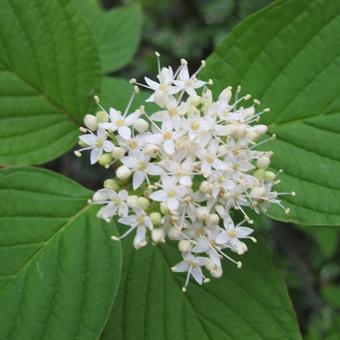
(257, 192)
(164, 208)
(105, 160)
(151, 150)
(156, 218)
(213, 220)
(269, 176)
(157, 235)
(118, 152)
(111, 184)
(123, 172)
(141, 125)
(202, 213)
(174, 233)
(216, 272)
(132, 200)
(102, 117)
(91, 122)
(205, 187)
(263, 162)
(143, 203)
(184, 246)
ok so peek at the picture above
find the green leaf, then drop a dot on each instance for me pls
(331, 294)
(48, 75)
(59, 269)
(116, 92)
(288, 56)
(118, 32)
(248, 303)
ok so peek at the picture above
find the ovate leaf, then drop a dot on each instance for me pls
(59, 269)
(48, 75)
(117, 31)
(248, 303)
(288, 56)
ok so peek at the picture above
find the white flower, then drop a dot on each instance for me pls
(115, 203)
(182, 170)
(141, 167)
(186, 83)
(97, 144)
(162, 90)
(171, 193)
(210, 159)
(139, 221)
(192, 265)
(232, 235)
(121, 123)
(208, 244)
(166, 137)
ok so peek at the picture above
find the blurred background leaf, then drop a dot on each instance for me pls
(117, 32)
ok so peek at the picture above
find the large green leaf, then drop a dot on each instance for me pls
(117, 92)
(117, 31)
(59, 269)
(248, 303)
(49, 72)
(288, 56)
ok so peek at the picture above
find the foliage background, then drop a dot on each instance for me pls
(309, 256)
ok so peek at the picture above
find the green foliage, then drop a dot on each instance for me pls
(116, 93)
(49, 72)
(117, 32)
(247, 303)
(288, 56)
(59, 270)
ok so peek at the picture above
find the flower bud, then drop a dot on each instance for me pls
(164, 208)
(263, 162)
(213, 220)
(102, 117)
(142, 203)
(259, 174)
(91, 122)
(269, 176)
(105, 160)
(184, 246)
(123, 172)
(118, 152)
(82, 143)
(111, 184)
(216, 272)
(151, 150)
(241, 248)
(132, 200)
(202, 213)
(97, 196)
(260, 129)
(205, 187)
(174, 233)
(156, 218)
(257, 192)
(141, 125)
(160, 98)
(157, 235)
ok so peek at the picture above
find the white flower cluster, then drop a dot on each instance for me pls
(182, 170)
